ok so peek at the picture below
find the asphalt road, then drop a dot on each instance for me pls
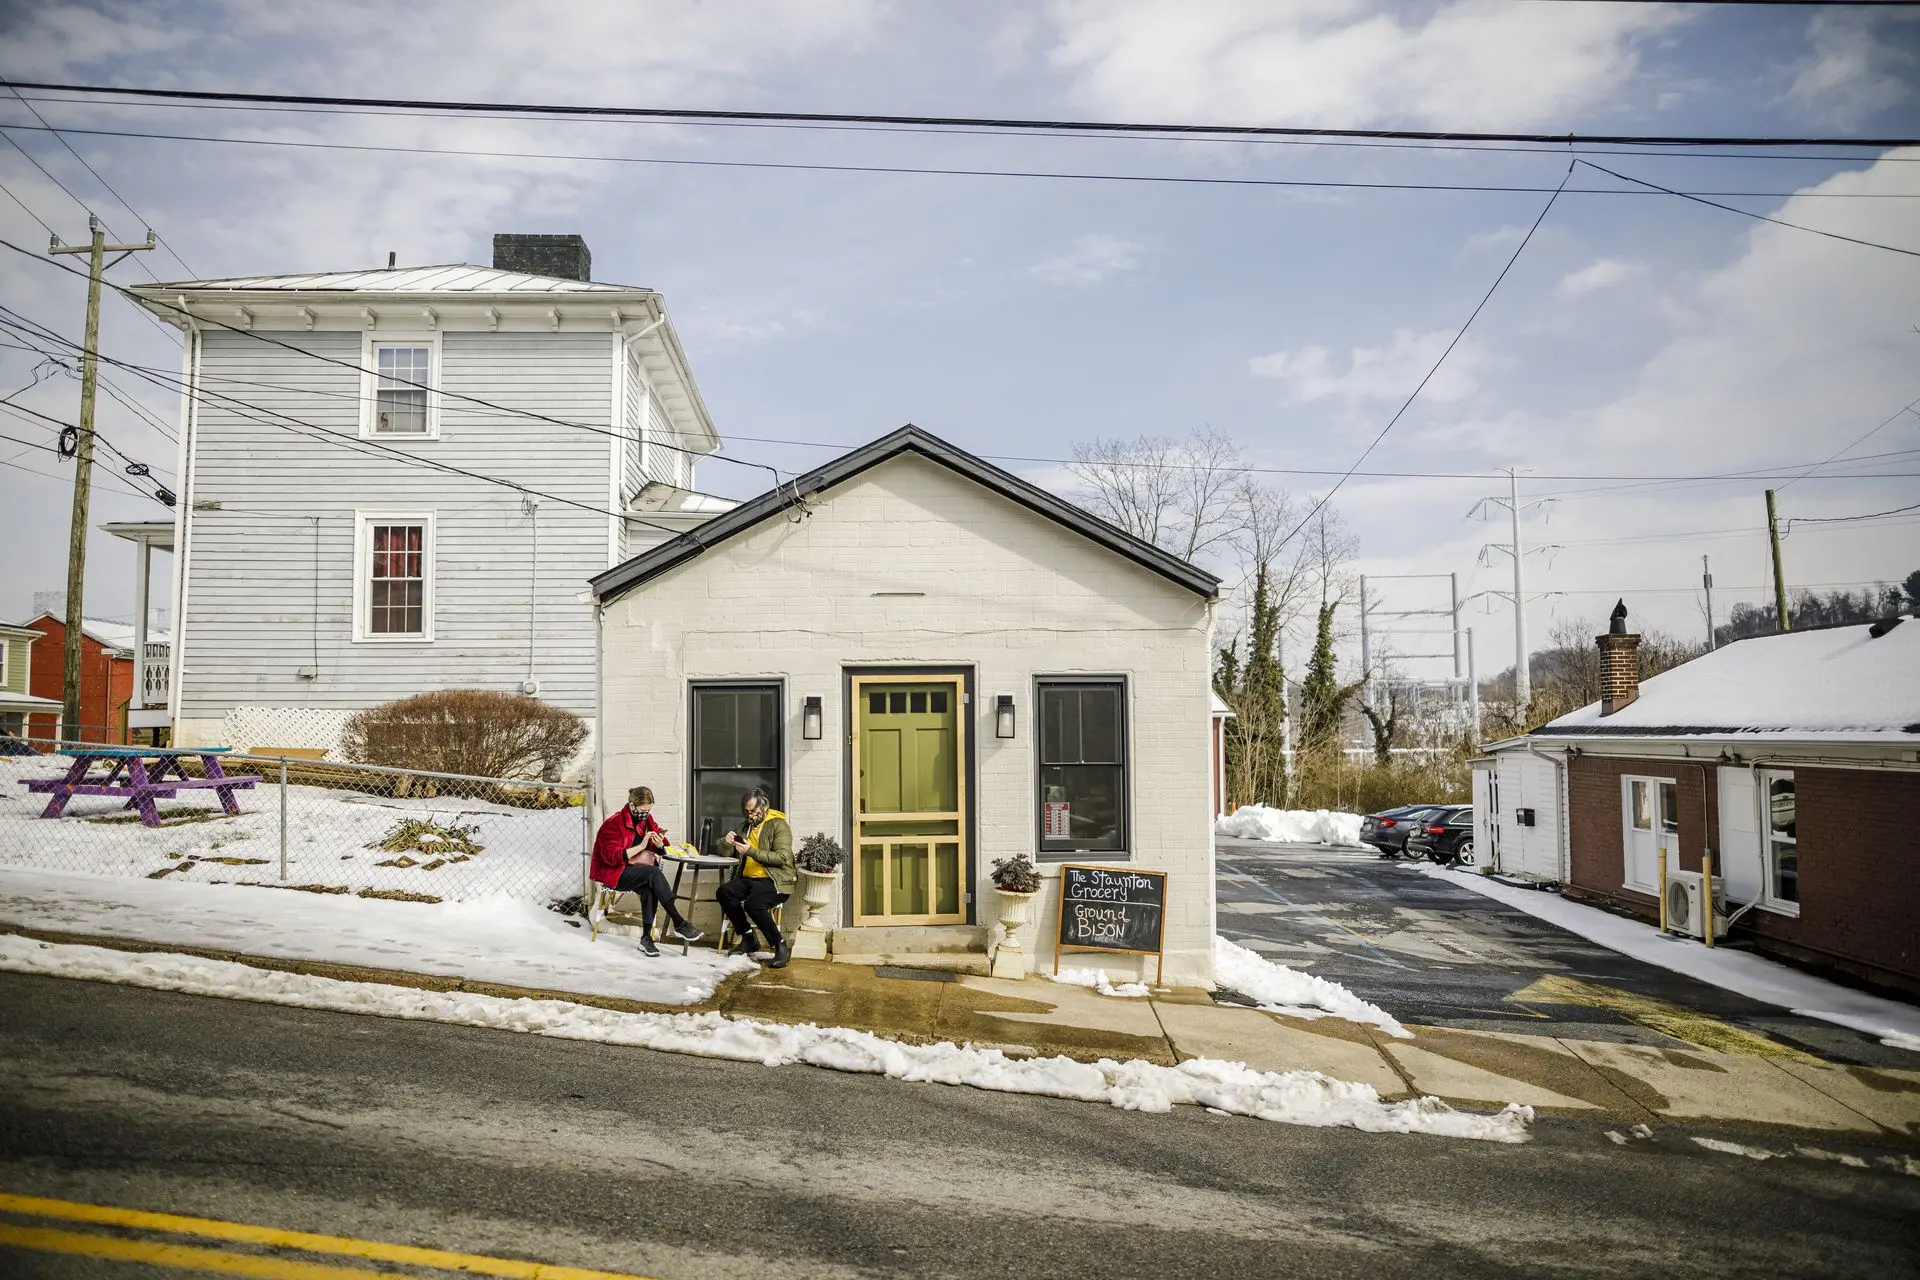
(1435, 953)
(622, 1159)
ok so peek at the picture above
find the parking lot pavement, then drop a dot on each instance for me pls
(1439, 955)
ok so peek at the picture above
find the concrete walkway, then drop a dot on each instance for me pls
(1676, 1082)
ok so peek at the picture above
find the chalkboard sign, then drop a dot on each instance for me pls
(1111, 909)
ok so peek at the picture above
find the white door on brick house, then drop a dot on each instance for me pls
(1650, 818)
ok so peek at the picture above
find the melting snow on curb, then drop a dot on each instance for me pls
(1278, 989)
(1097, 979)
(1289, 1097)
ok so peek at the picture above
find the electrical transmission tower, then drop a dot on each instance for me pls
(1522, 677)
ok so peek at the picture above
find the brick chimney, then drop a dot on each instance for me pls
(564, 257)
(1619, 662)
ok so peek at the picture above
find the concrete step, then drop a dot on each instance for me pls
(955, 948)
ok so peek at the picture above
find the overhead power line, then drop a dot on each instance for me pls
(1872, 515)
(1748, 213)
(800, 166)
(952, 122)
(1558, 147)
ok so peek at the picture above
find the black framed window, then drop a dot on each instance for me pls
(736, 747)
(1082, 754)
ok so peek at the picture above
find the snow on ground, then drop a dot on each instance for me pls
(1290, 1097)
(332, 839)
(1097, 979)
(1278, 989)
(498, 939)
(1753, 976)
(1292, 826)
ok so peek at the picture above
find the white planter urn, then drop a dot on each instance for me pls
(1010, 958)
(817, 892)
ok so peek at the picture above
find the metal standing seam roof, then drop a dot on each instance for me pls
(453, 277)
(908, 439)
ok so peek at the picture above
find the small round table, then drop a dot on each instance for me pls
(699, 863)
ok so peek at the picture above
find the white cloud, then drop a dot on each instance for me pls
(1378, 373)
(1601, 273)
(1853, 69)
(1349, 62)
(1090, 260)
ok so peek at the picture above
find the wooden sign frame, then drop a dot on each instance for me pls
(1159, 952)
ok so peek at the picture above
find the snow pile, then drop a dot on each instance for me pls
(1278, 989)
(1097, 979)
(1894, 1024)
(498, 939)
(1292, 826)
(1289, 1097)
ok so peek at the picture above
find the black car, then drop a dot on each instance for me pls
(1444, 835)
(1387, 830)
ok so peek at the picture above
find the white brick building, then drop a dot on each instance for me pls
(854, 640)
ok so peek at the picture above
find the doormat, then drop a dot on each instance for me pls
(912, 975)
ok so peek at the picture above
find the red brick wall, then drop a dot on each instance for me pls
(106, 683)
(1859, 860)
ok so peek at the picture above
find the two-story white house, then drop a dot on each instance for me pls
(401, 480)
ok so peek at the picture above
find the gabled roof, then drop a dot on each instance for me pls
(453, 277)
(908, 439)
(112, 635)
(1832, 684)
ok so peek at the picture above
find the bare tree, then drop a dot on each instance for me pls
(1179, 495)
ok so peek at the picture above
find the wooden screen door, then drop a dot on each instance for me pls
(909, 793)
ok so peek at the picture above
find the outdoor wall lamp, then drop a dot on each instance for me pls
(810, 719)
(1003, 716)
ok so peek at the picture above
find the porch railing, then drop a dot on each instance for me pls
(156, 666)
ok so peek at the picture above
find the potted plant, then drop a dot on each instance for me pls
(1015, 880)
(818, 861)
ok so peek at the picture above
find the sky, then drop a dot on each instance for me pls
(1638, 334)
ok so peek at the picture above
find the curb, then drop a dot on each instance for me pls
(384, 977)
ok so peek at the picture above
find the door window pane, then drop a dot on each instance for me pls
(1642, 806)
(1669, 808)
(736, 735)
(1082, 762)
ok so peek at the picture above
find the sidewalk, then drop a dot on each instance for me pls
(1752, 1082)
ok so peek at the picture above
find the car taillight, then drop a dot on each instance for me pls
(1386, 822)
(1436, 831)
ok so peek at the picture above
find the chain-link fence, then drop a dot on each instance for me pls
(312, 825)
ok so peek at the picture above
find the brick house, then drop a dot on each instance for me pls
(1793, 760)
(106, 678)
(941, 665)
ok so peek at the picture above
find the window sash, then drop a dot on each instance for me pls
(396, 576)
(736, 746)
(1080, 753)
(1779, 828)
(403, 377)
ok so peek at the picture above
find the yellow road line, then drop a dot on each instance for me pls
(181, 1257)
(275, 1237)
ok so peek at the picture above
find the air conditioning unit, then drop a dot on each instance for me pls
(1686, 913)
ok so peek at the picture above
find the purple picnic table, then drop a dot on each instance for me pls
(131, 776)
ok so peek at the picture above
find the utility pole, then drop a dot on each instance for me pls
(1522, 677)
(83, 462)
(1779, 574)
(1366, 655)
(1706, 581)
(1473, 691)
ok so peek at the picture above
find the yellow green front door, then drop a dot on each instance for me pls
(909, 797)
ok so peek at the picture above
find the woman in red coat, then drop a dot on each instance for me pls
(626, 859)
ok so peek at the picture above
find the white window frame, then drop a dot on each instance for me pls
(370, 344)
(1780, 906)
(6, 653)
(363, 522)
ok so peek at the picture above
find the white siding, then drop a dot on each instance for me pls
(1741, 863)
(257, 612)
(1007, 592)
(671, 464)
(1528, 782)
